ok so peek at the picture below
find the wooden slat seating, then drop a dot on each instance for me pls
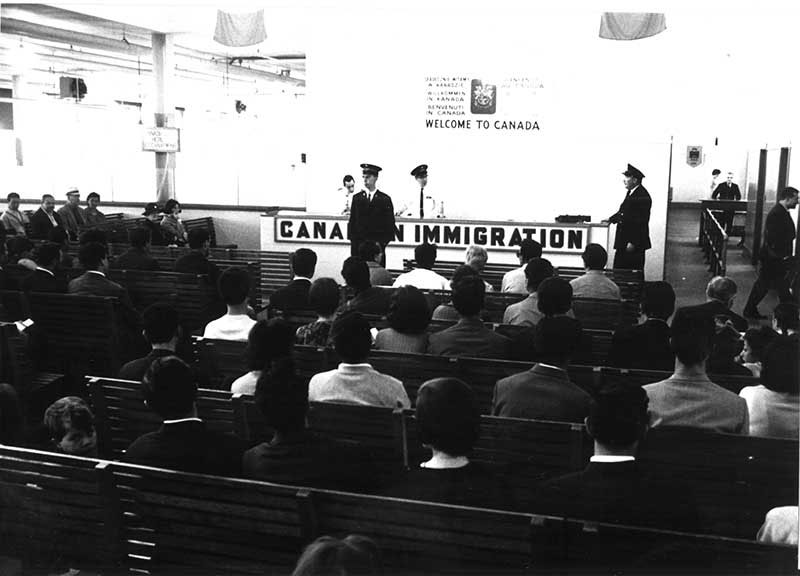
(206, 223)
(122, 415)
(167, 522)
(56, 510)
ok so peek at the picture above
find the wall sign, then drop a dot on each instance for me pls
(694, 156)
(161, 139)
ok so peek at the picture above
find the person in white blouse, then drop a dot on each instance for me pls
(422, 276)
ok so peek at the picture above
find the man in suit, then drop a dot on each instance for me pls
(545, 392)
(162, 332)
(614, 487)
(689, 398)
(137, 256)
(196, 260)
(727, 191)
(633, 223)
(183, 442)
(72, 214)
(646, 345)
(370, 252)
(294, 296)
(44, 278)
(371, 214)
(45, 218)
(776, 253)
(526, 312)
(720, 294)
(469, 337)
(366, 299)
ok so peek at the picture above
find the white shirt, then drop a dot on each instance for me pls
(357, 384)
(612, 459)
(246, 384)
(515, 281)
(236, 327)
(423, 279)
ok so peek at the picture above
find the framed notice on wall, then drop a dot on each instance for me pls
(161, 139)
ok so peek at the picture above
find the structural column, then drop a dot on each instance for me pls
(164, 75)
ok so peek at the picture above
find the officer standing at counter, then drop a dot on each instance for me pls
(633, 223)
(371, 214)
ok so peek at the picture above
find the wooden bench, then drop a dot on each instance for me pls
(206, 223)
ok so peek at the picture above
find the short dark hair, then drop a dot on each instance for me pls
(138, 237)
(198, 237)
(537, 270)
(468, 295)
(425, 255)
(715, 172)
(463, 271)
(58, 235)
(758, 339)
(408, 310)
(556, 339)
(594, 257)
(92, 195)
(46, 196)
(47, 253)
(303, 262)
(351, 337)
(529, 249)
(368, 250)
(447, 416)
(780, 366)
(170, 205)
(356, 273)
(91, 255)
(348, 178)
(160, 322)
(691, 334)
(658, 299)
(323, 296)
(11, 196)
(618, 415)
(169, 387)
(268, 340)
(68, 413)
(787, 316)
(281, 396)
(554, 296)
(234, 285)
(328, 555)
(93, 235)
(787, 192)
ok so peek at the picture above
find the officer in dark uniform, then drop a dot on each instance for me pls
(775, 255)
(371, 214)
(153, 224)
(728, 190)
(633, 223)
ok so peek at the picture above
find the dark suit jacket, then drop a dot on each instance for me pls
(41, 281)
(370, 301)
(469, 337)
(714, 308)
(725, 192)
(620, 493)
(195, 262)
(644, 346)
(188, 446)
(135, 259)
(41, 225)
(156, 235)
(371, 220)
(91, 284)
(135, 369)
(293, 296)
(633, 220)
(541, 393)
(779, 235)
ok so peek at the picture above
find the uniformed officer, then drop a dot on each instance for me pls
(371, 214)
(427, 205)
(633, 223)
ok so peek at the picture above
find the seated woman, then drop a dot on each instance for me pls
(295, 454)
(323, 297)
(756, 341)
(447, 311)
(172, 228)
(71, 426)
(269, 342)
(448, 424)
(774, 405)
(409, 316)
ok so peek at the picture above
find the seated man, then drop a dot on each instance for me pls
(469, 336)
(137, 257)
(91, 214)
(594, 283)
(515, 280)
(162, 332)
(688, 398)
(614, 487)
(59, 237)
(355, 381)
(720, 294)
(646, 345)
(294, 296)
(45, 277)
(367, 299)
(371, 253)
(93, 282)
(234, 287)
(45, 218)
(545, 392)
(446, 311)
(183, 442)
(526, 312)
(476, 258)
(422, 276)
(554, 299)
(14, 219)
(196, 260)
(72, 214)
